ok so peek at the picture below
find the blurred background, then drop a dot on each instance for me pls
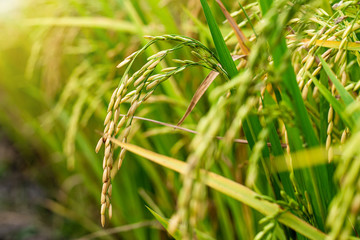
(57, 73)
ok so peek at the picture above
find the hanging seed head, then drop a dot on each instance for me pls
(110, 163)
(103, 198)
(330, 154)
(110, 190)
(305, 59)
(316, 93)
(129, 81)
(169, 69)
(148, 37)
(98, 145)
(156, 76)
(316, 71)
(107, 142)
(173, 223)
(139, 80)
(148, 95)
(124, 99)
(330, 127)
(110, 211)
(105, 175)
(102, 220)
(158, 55)
(330, 114)
(154, 37)
(154, 64)
(107, 151)
(119, 91)
(121, 123)
(104, 162)
(343, 137)
(112, 100)
(120, 163)
(305, 92)
(139, 88)
(123, 63)
(122, 153)
(326, 53)
(338, 55)
(151, 85)
(107, 201)
(105, 187)
(126, 132)
(126, 60)
(133, 108)
(107, 118)
(116, 115)
(328, 142)
(117, 102)
(106, 130)
(111, 128)
(309, 62)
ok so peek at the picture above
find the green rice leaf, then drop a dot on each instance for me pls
(347, 98)
(164, 222)
(223, 52)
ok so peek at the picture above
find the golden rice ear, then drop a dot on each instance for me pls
(110, 211)
(98, 145)
(137, 88)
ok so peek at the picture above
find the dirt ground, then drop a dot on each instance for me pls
(21, 214)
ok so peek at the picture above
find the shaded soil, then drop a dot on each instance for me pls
(21, 214)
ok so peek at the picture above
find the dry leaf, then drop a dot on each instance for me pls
(242, 39)
(202, 89)
(198, 94)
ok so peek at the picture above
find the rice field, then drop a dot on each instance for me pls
(188, 119)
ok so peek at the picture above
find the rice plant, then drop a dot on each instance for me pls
(268, 82)
(248, 109)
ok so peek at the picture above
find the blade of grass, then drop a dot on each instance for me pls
(223, 52)
(265, 5)
(348, 99)
(224, 216)
(164, 223)
(248, 18)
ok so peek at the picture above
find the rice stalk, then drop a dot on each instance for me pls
(144, 83)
